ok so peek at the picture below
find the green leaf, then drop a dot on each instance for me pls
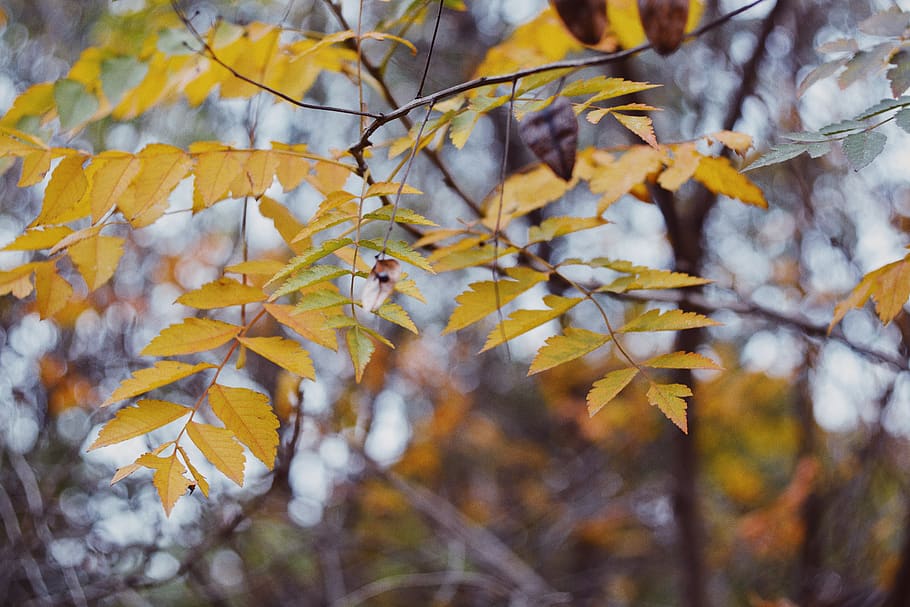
(399, 249)
(669, 399)
(321, 299)
(480, 300)
(309, 257)
(862, 148)
(384, 213)
(777, 154)
(606, 389)
(394, 313)
(522, 321)
(902, 119)
(309, 276)
(553, 227)
(573, 343)
(75, 105)
(120, 74)
(361, 349)
(671, 320)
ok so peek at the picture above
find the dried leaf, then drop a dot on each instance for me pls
(380, 283)
(552, 134)
(585, 19)
(664, 22)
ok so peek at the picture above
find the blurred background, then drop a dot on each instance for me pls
(479, 485)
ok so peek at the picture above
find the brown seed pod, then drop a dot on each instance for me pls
(380, 283)
(585, 19)
(664, 22)
(552, 134)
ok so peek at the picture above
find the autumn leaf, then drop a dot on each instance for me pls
(131, 422)
(719, 176)
(481, 301)
(162, 168)
(96, 258)
(190, 336)
(53, 292)
(889, 286)
(197, 476)
(606, 389)
(110, 174)
(219, 446)
(63, 198)
(163, 372)
(671, 320)
(285, 353)
(248, 415)
(169, 478)
(310, 325)
(522, 321)
(38, 238)
(669, 399)
(360, 348)
(394, 313)
(559, 349)
(221, 293)
(681, 360)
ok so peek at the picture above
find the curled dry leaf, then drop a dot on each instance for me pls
(585, 19)
(552, 134)
(380, 283)
(664, 22)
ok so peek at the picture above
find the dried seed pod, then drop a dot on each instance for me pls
(585, 19)
(664, 22)
(552, 134)
(380, 283)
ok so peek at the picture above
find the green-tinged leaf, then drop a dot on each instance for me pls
(164, 372)
(777, 154)
(889, 286)
(606, 389)
(285, 353)
(816, 150)
(669, 399)
(682, 360)
(38, 238)
(309, 257)
(671, 320)
(168, 479)
(862, 148)
(480, 301)
(191, 336)
(409, 287)
(844, 126)
(120, 74)
(324, 221)
(641, 277)
(554, 227)
(719, 176)
(902, 119)
(221, 293)
(248, 415)
(311, 325)
(360, 348)
(131, 422)
(384, 213)
(522, 321)
(75, 105)
(883, 106)
(387, 188)
(394, 313)
(321, 299)
(401, 250)
(197, 476)
(459, 256)
(573, 343)
(309, 276)
(219, 446)
(603, 87)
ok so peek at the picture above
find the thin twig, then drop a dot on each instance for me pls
(426, 67)
(502, 193)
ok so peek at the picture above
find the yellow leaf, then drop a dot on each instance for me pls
(53, 292)
(285, 353)
(292, 167)
(522, 321)
(96, 258)
(146, 199)
(613, 178)
(219, 446)
(560, 349)
(190, 336)
(63, 199)
(889, 286)
(682, 360)
(169, 478)
(131, 422)
(164, 372)
(624, 20)
(738, 142)
(197, 476)
(248, 415)
(681, 167)
(671, 320)
(311, 325)
(285, 222)
(606, 389)
(387, 188)
(124, 471)
(18, 280)
(256, 267)
(394, 313)
(35, 166)
(669, 399)
(399, 249)
(554, 227)
(38, 238)
(77, 236)
(110, 174)
(640, 125)
(360, 348)
(221, 293)
(215, 171)
(258, 174)
(719, 176)
(480, 300)
(524, 193)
